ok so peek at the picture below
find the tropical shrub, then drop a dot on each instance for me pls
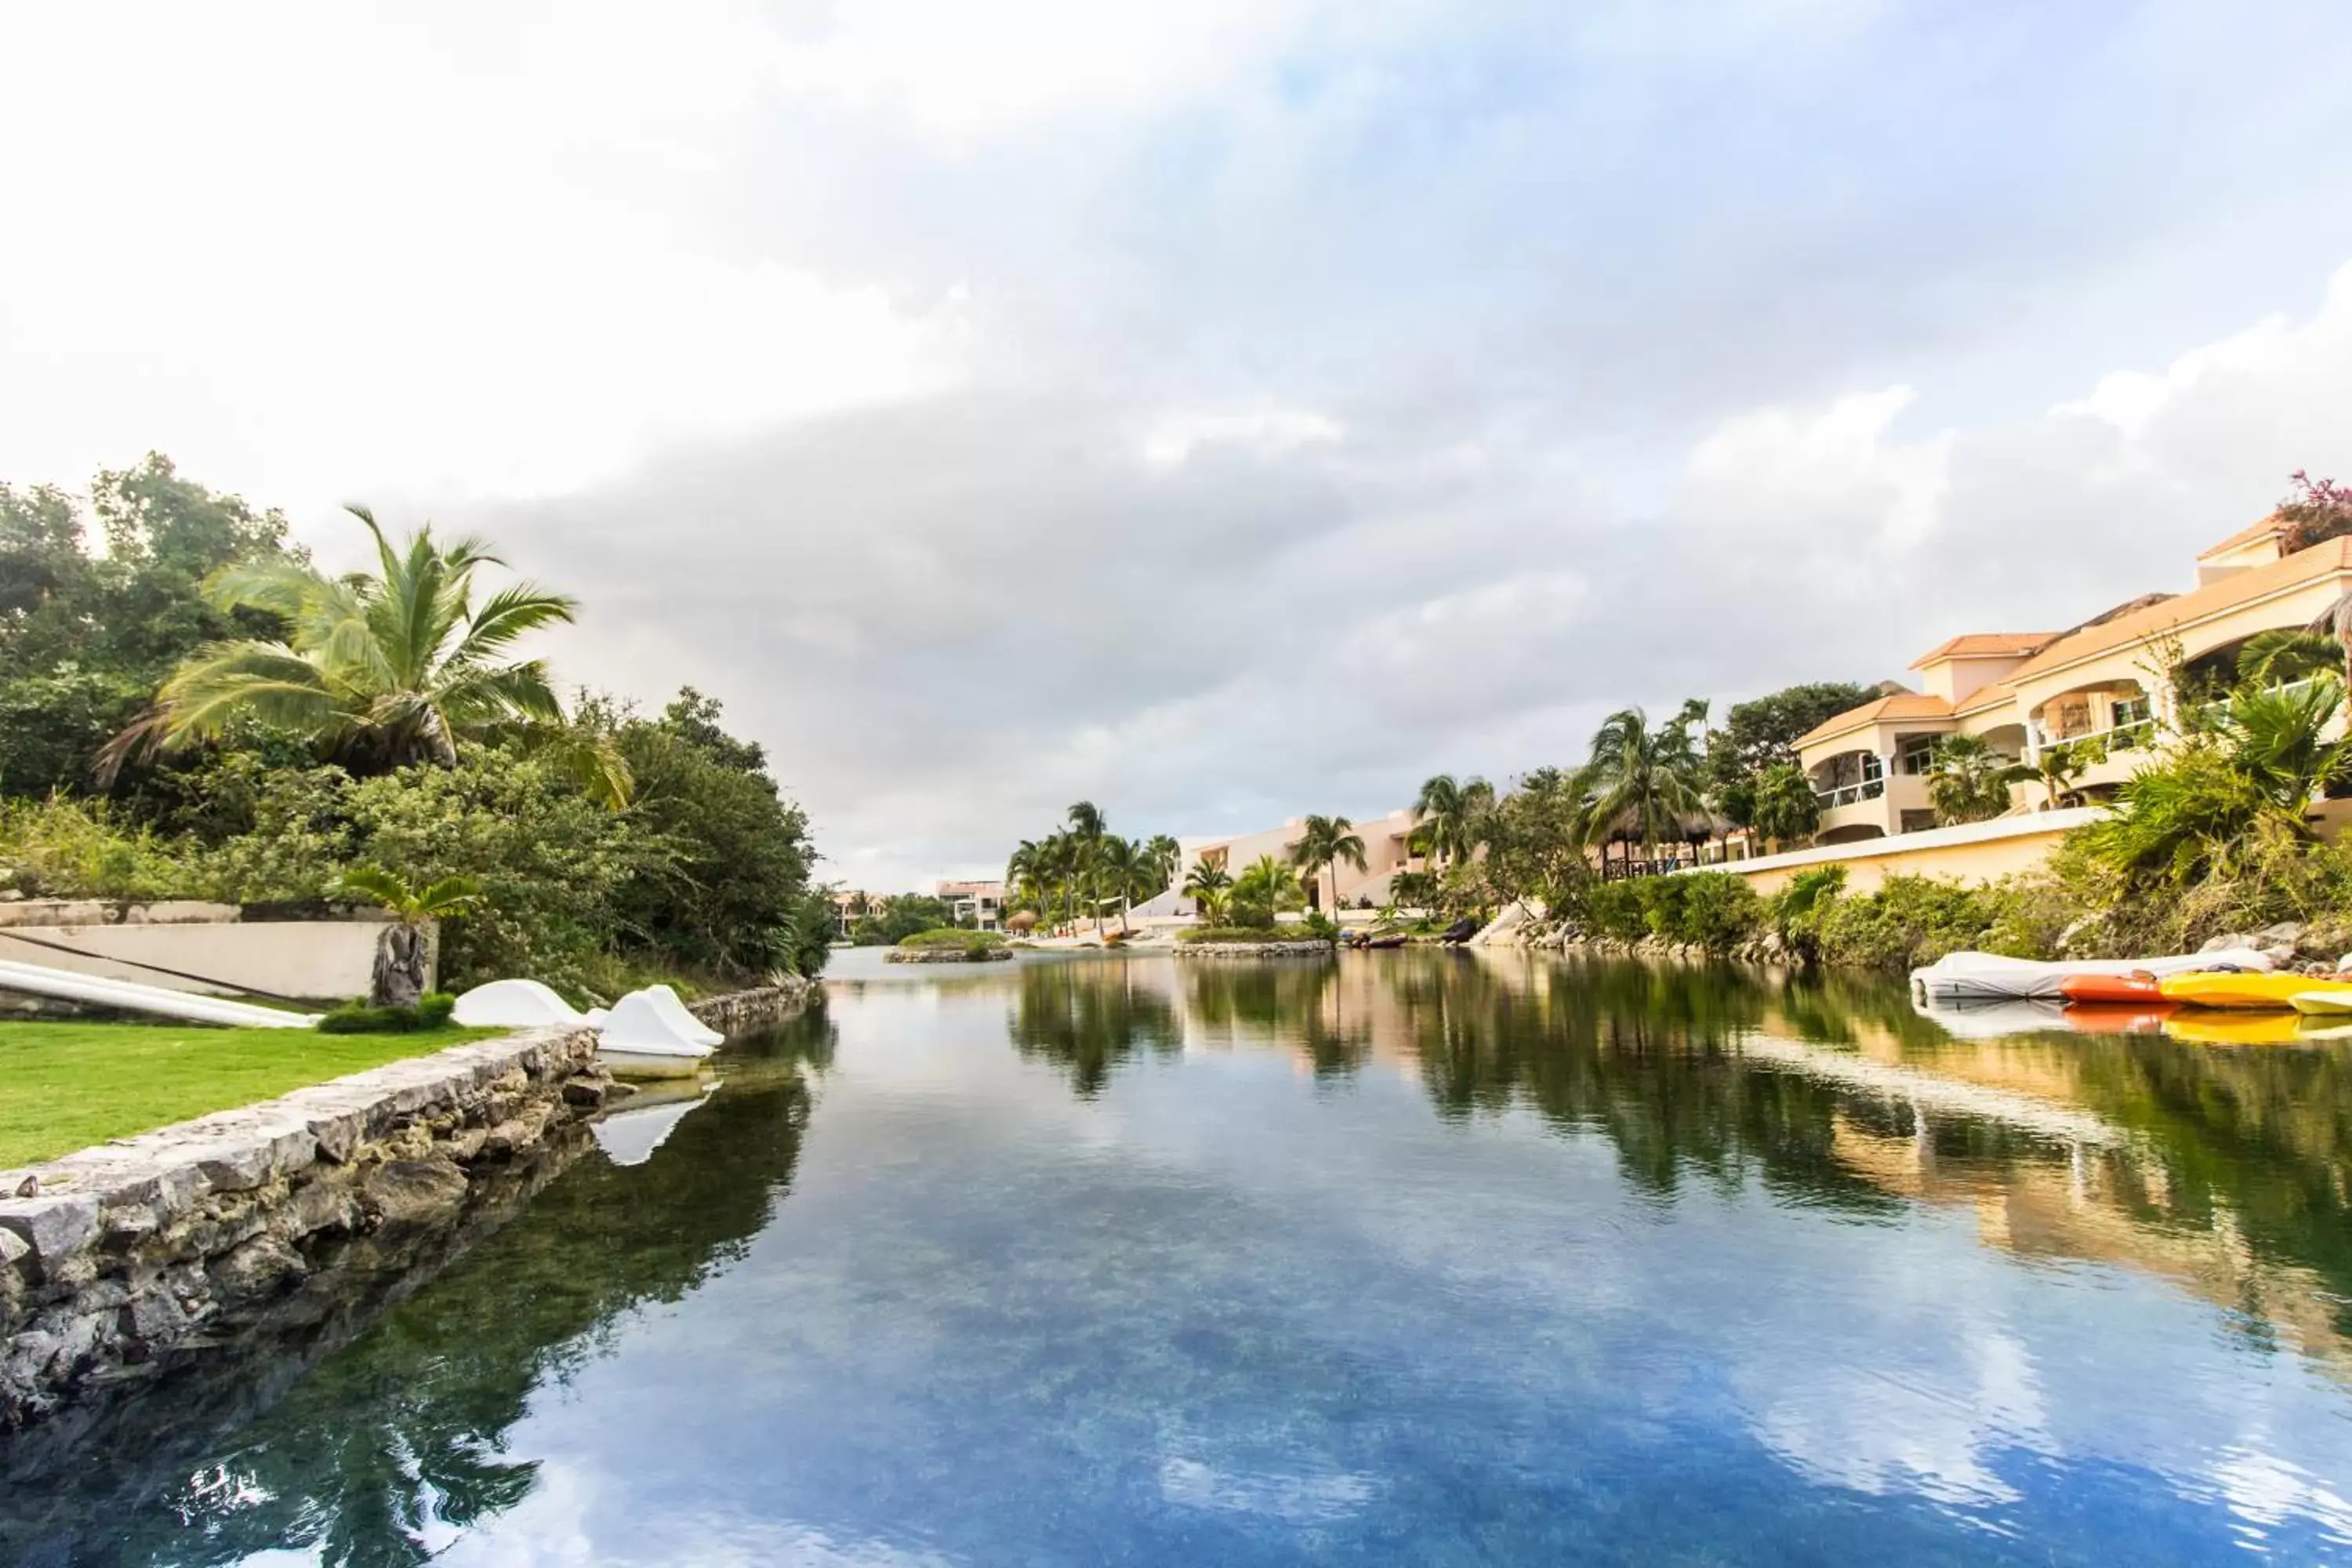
(430, 1011)
(1267, 932)
(1909, 922)
(1714, 909)
(953, 937)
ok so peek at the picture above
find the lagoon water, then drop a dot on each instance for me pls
(1411, 1257)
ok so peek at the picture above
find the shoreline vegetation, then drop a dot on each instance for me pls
(949, 944)
(196, 711)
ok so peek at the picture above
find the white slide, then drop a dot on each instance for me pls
(1988, 978)
(131, 998)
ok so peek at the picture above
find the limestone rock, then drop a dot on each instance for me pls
(53, 1227)
(259, 1268)
(2227, 940)
(409, 1191)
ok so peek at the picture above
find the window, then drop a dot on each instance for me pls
(1917, 755)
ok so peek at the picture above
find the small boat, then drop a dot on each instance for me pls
(2248, 992)
(639, 1040)
(2137, 988)
(1989, 976)
(2325, 998)
(2221, 1028)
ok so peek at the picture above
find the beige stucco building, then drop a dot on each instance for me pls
(2104, 681)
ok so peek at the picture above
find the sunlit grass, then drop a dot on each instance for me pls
(67, 1086)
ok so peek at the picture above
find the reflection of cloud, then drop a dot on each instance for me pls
(1295, 1498)
(562, 1525)
(1924, 1431)
(2268, 1491)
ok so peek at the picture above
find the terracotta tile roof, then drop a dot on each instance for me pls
(2252, 533)
(2328, 557)
(1985, 697)
(1983, 645)
(1885, 711)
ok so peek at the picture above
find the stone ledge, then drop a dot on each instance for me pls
(1253, 949)
(947, 955)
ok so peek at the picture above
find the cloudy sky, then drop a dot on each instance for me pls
(1222, 411)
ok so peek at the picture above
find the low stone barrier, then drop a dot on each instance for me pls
(739, 1011)
(120, 1256)
(948, 955)
(1254, 949)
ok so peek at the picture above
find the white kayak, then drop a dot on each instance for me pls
(1990, 977)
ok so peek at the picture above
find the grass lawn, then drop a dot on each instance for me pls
(67, 1086)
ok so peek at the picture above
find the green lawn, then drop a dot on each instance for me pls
(67, 1086)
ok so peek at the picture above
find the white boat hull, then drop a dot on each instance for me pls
(1990, 977)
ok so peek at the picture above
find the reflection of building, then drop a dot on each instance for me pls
(980, 905)
(2102, 686)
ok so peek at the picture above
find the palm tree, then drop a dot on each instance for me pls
(1325, 842)
(1782, 805)
(1645, 780)
(399, 976)
(382, 671)
(1267, 884)
(1448, 816)
(1206, 885)
(1086, 830)
(1967, 781)
(2278, 741)
(1129, 865)
(1165, 855)
(2057, 767)
(2285, 657)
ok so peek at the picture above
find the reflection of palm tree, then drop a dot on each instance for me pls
(1089, 1019)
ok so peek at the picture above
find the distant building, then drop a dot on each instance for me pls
(978, 904)
(1387, 849)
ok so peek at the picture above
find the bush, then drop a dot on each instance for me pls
(1717, 910)
(429, 1011)
(945, 937)
(1909, 922)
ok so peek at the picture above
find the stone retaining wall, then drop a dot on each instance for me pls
(128, 1253)
(947, 955)
(739, 1011)
(1254, 949)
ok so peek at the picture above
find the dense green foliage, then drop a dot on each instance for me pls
(408, 743)
(954, 937)
(891, 921)
(1762, 734)
(1268, 932)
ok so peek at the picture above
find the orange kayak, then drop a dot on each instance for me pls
(2137, 988)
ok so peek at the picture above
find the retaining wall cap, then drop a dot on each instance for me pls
(53, 1227)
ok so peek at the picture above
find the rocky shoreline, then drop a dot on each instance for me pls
(1252, 950)
(948, 955)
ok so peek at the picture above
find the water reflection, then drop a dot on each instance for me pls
(2227, 1171)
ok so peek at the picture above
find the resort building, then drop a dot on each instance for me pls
(980, 905)
(2102, 685)
(1387, 849)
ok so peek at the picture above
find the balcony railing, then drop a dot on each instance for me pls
(2137, 735)
(1848, 794)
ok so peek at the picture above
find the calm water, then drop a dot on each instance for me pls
(1410, 1258)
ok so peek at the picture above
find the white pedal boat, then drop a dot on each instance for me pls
(1988, 978)
(640, 1039)
(520, 1005)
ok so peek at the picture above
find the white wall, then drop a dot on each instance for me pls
(326, 959)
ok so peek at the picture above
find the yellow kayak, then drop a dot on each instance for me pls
(2218, 1028)
(2323, 998)
(2208, 988)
